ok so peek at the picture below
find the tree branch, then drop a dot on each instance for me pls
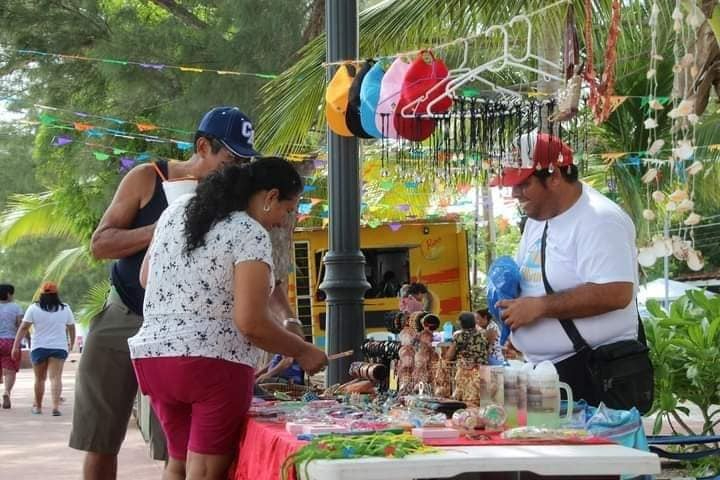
(182, 13)
(316, 21)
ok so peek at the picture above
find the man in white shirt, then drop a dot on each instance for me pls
(590, 263)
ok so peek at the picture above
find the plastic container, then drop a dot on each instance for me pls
(175, 189)
(543, 397)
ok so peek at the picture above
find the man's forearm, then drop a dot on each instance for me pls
(113, 243)
(587, 300)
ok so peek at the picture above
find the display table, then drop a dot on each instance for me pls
(265, 446)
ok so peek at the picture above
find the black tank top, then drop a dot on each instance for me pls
(126, 271)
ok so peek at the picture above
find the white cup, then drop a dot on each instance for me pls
(175, 189)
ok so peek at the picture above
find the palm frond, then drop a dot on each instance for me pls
(33, 215)
(93, 302)
(65, 261)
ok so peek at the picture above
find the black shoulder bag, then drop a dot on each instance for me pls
(621, 372)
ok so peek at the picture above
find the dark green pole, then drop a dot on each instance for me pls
(344, 282)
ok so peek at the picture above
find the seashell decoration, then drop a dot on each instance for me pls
(662, 247)
(646, 257)
(685, 206)
(650, 123)
(656, 105)
(671, 207)
(684, 151)
(692, 219)
(656, 146)
(680, 248)
(695, 168)
(678, 195)
(649, 215)
(650, 175)
(695, 260)
(658, 196)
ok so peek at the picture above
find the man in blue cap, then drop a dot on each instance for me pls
(106, 385)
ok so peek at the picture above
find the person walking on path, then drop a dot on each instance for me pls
(10, 317)
(53, 336)
(103, 403)
(209, 274)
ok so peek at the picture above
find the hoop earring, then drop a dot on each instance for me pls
(266, 208)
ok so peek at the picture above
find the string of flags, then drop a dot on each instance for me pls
(146, 65)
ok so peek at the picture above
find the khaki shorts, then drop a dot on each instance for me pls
(105, 386)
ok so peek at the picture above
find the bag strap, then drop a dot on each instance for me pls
(568, 324)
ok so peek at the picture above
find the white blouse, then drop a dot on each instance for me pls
(188, 309)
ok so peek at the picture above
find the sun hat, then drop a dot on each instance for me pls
(336, 99)
(425, 72)
(352, 115)
(389, 95)
(369, 96)
(49, 287)
(536, 151)
(232, 128)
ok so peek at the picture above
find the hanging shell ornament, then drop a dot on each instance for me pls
(685, 206)
(693, 118)
(695, 168)
(680, 248)
(651, 73)
(655, 104)
(654, 14)
(692, 219)
(678, 195)
(658, 196)
(677, 17)
(695, 260)
(646, 257)
(649, 215)
(662, 247)
(650, 123)
(650, 175)
(696, 17)
(684, 150)
(656, 146)
(671, 207)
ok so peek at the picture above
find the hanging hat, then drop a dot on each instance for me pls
(420, 78)
(389, 95)
(536, 151)
(336, 100)
(352, 116)
(369, 96)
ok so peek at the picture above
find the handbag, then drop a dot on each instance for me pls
(621, 372)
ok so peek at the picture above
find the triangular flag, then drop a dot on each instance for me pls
(612, 157)
(82, 127)
(126, 163)
(142, 157)
(191, 69)
(94, 133)
(315, 201)
(616, 101)
(47, 119)
(101, 155)
(309, 188)
(403, 207)
(118, 151)
(146, 127)
(61, 140)
(325, 222)
(184, 145)
(395, 226)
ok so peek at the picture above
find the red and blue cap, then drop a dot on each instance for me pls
(232, 128)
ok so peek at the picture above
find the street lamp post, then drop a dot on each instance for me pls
(344, 282)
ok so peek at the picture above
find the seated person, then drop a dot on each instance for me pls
(283, 369)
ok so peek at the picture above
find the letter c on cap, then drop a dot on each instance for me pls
(247, 131)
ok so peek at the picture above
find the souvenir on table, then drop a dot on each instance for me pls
(442, 378)
(406, 362)
(425, 358)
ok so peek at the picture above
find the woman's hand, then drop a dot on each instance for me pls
(15, 353)
(312, 359)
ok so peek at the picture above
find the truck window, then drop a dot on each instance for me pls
(386, 269)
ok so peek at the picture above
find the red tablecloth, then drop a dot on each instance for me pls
(265, 446)
(263, 449)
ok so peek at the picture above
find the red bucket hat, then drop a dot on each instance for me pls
(536, 151)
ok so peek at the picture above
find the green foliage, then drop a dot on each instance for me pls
(93, 302)
(685, 348)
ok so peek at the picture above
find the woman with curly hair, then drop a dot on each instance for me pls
(208, 275)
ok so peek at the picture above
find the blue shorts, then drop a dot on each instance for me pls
(39, 355)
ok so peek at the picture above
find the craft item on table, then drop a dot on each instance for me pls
(349, 446)
(545, 433)
(296, 427)
(406, 363)
(444, 406)
(309, 396)
(494, 416)
(375, 372)
(442, 432)
(489, 417)
(503, 283)
(425, 356)
(314, 429)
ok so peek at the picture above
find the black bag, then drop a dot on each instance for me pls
(621, 373)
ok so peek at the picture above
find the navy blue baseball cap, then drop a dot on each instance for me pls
(232, 128)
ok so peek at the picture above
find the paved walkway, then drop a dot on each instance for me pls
(35, 446)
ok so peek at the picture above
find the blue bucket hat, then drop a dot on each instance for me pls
(232, 128)
(369, 96)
